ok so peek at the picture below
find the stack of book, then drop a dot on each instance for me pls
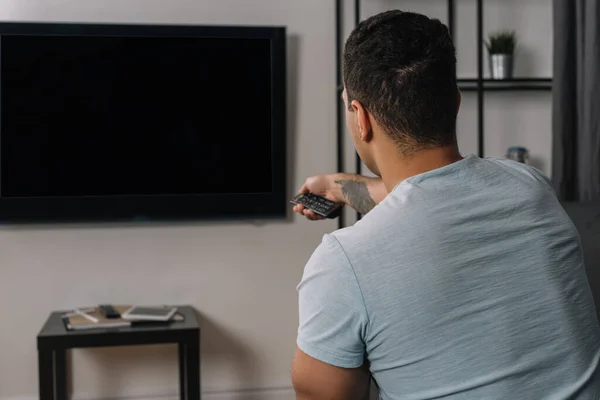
(93, 318)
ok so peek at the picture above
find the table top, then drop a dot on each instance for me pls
(55, 327)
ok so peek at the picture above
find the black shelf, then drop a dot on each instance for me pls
(515, 84)
(340, 120)
(358, 161)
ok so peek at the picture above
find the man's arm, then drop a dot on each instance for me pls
(316, 380)
(330, 359)
(360, 192)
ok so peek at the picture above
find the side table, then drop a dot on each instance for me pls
(54, 340)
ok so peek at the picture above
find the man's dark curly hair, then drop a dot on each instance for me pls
(401, 66)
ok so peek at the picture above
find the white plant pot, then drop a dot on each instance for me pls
(501, 66)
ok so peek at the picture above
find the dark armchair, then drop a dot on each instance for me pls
(586, 217)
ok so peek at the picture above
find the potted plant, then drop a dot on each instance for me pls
(501, 48)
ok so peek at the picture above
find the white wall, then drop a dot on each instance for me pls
(241, 277)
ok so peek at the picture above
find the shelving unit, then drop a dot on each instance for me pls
(516, 84)
(478, 84)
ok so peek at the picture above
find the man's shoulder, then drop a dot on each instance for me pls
(384, 223)
(522, 169)
(413, 209)
(329, 252)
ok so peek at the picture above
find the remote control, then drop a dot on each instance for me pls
(109, 311)
(319, 205)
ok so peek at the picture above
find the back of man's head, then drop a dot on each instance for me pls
(401, 67)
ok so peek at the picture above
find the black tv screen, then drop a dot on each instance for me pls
(141, 122)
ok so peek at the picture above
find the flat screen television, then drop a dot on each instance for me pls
(141, 122)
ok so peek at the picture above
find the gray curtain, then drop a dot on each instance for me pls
(576, 97)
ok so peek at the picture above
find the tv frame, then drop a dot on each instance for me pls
(236, 206)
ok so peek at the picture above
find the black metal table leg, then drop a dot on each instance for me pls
(192, 367)
(60, 374)
(46, 374)
(182, 371)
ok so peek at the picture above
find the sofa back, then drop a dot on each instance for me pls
(586, 217)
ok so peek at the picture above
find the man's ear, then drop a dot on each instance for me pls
(363, 120)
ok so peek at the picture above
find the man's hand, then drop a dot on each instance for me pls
(321, 185)
(359, 192)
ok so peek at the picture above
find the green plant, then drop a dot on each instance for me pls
(503, 42)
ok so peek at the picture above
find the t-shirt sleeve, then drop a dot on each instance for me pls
(333, 317)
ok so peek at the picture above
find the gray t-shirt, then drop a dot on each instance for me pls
(466, 282)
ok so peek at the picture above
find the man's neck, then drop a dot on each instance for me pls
(396, 169)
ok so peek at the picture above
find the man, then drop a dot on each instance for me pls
(465, 279)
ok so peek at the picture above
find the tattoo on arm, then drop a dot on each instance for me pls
(357, 195)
